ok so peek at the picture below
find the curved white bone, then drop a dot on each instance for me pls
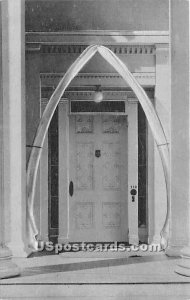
(151, 115)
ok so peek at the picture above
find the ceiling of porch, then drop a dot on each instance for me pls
(74, 15)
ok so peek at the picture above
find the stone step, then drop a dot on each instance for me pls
(96, 291)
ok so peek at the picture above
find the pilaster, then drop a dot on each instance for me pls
(162, 106)
(150, 188)
(7, 267)
(180, 145)
(63, 171)
(43, 170)
(14, 123)
(180, 89)
(133, 173)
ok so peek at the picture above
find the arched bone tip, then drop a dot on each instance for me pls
(33, 245)
(164, 240)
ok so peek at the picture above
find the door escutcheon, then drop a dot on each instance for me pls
(97, 153)
(133, 194)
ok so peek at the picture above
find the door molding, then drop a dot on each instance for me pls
(133, 173)
(146, 79)
(63, 125)
(43, 230)
(64, 173)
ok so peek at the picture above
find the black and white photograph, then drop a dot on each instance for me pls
(95, 149)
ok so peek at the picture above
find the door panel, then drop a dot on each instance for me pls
(111, 156)
(113, 178)
(98, 169)
(84, 166)
(84, 215)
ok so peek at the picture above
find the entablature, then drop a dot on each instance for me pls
(121, 42)
(146, 79)
(126, 94)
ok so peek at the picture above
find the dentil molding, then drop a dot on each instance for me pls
(78, 49)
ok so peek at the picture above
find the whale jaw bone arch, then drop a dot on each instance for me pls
(151, 115)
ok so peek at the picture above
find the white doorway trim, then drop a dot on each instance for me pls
(63, 125)
(133, 172)
(43, 230)
(131, 112)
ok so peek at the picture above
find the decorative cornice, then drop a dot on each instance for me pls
(117, 49)
(100, 37)
(91, 79)
(78, 49)
(95, 75)
(102, 32)
(44, 101)
(89, 95)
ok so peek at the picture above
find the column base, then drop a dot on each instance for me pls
(183, 268)
(20, 250)
(32, 243)
(173, 251)
(63, 240)
(7, 267)
(156, 239)
(44, 238)
(134, 240)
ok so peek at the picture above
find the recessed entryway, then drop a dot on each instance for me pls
(93, 212)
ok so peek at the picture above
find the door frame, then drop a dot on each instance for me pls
(131, 111)
(145, 234)
(147, 80)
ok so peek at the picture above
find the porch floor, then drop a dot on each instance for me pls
(115, 275)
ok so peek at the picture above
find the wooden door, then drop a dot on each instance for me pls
(98, 170)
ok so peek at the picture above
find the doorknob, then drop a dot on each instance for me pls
(71, 188)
